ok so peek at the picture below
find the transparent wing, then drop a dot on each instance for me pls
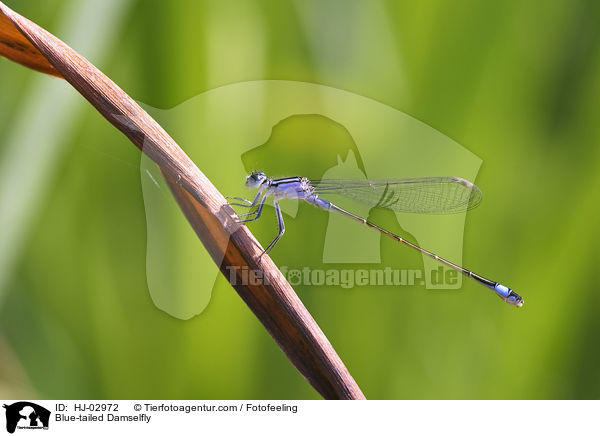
(434, 195)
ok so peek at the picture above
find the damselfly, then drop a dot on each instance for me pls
(433, 195)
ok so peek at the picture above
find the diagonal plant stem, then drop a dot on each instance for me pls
(231, 244)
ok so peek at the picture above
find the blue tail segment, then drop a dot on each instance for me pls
(508, 295)
(504, 292)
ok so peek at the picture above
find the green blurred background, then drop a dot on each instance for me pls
(515, 82)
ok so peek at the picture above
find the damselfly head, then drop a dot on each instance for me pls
(255, 179)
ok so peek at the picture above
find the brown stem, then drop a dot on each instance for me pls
(231, 244)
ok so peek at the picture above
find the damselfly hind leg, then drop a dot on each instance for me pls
(281, 225)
